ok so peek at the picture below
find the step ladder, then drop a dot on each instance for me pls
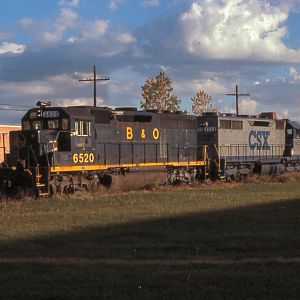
(42, 181)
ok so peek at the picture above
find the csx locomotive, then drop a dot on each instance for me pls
(259, 144)
(62, 149)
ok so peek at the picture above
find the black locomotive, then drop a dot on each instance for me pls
(63, 149)
(68, 148)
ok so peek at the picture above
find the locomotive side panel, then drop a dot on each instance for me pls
(178, 141)
(250, 139)
(241, 138)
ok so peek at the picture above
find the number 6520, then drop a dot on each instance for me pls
(83, 158)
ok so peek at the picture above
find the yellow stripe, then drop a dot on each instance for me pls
(106, 167)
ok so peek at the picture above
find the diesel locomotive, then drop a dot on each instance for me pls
(259, 144)
(63, 149)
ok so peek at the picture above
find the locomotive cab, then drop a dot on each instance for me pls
(292, 143)
(45, 130)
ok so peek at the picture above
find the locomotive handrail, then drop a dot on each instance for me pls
(34, 156)
(166, 156)
(244, 151)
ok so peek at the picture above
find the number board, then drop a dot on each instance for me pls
(51, 114)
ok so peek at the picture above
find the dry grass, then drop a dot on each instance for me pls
(124, 188)
(282, 178)
(207, 185)
(206, 241)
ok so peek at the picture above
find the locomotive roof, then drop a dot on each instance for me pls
(79, 111)
(86, 112)
(233, 116)
(294, 124)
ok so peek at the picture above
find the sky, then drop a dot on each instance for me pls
(212, 45)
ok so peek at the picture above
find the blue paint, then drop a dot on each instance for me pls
(259, 140)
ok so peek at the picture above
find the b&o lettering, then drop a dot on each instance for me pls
(155, 133)
(143, 134)
(129, 133)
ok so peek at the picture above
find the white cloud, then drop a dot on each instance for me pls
(61, 90)
(125, 38)
(114, 4)
(293, 74)
(189, 88)
(76, 101)
(95, 30)
(69, 27)
(248, 107)
(207, 37)
(150, 3)
(72, 39)
(66, 20)
(32, 89)
(26, 22)
(12, 48)
(70, 3)
(50, 37)
(237, 30)
(39, 88)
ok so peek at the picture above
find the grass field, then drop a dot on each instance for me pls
(217, 242)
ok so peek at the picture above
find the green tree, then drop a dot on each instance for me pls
(157, 94)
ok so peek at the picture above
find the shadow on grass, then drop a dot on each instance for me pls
(176, 258)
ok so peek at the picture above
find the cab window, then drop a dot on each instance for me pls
(53, 124)
(36, 125)
(83, 128)
(65, 124)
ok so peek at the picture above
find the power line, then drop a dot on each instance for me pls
(123, 83)
(95, 79)
(237, 94)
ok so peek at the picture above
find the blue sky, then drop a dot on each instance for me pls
(211, 45)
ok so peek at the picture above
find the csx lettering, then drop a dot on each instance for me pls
(259, 140)
(83, 158)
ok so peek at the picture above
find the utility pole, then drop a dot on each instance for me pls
(237, 94)
(95, 79)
